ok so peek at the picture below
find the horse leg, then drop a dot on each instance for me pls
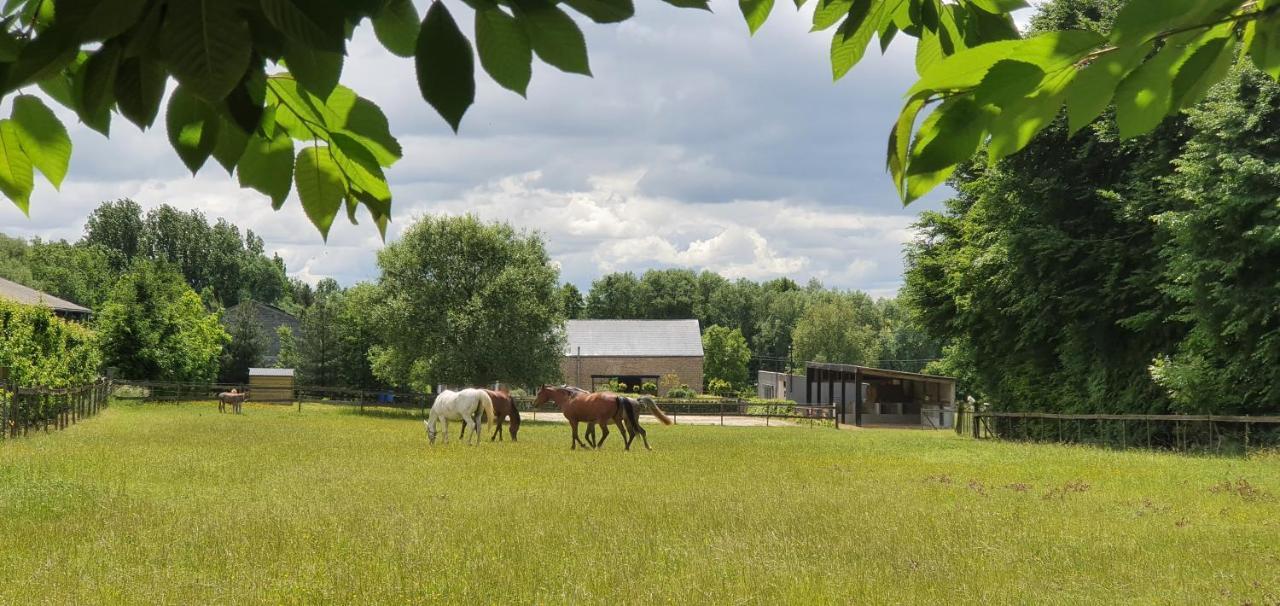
(591, 433)
(604, 434)
(497, 433)
(623, 430)
(470, 422)
(574, 444)
(643, 436)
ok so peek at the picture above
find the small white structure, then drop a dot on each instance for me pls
(271, 384)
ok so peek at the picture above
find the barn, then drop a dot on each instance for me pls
(271, 384)
(268, 318)
(632, 352)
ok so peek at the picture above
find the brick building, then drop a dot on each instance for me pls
(632, 351)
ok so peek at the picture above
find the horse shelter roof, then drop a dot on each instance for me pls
(29, 296)
(633, 338)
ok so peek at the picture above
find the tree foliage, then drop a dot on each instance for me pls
(40, 349)
(725, 356)
(467, 303)
(244, 350)
(153, 326)
(832, 331)
(258, 83)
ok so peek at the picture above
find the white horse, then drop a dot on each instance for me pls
(466, 406)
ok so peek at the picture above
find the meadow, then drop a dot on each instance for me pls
(155, 503)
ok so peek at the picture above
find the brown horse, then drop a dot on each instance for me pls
(234, 397)
(601, 408)
(503, 405)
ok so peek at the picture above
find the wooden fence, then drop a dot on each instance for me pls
(26, 409)
(1225, 434)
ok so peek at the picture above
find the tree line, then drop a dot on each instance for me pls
(1091, 273)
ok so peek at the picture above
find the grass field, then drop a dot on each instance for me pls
(178, 504)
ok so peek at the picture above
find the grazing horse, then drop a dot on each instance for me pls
(503, 406)
(234, 397)
(601, 408)
(465, 405)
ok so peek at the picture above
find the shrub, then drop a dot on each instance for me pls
(669, 382)
(41, 349)
(681, 392)
(720, 387)
(650, 388)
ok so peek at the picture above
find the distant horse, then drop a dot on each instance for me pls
(234, 397)
(503, 406)
(601, 408)
(464, 405)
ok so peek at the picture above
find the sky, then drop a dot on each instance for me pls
(694, 145)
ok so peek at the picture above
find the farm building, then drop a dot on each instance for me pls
(875, 396)
(780, 385)
(271, 384)
(269, 318)
(17, 293)
(633, 352)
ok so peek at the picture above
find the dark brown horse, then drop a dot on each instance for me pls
(602, 408)
(503, 406)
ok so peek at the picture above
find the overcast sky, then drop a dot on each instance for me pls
(694, 145)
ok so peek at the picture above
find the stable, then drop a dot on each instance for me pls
(12, 291)
(633, 352)
(874, 396)
(271, 384)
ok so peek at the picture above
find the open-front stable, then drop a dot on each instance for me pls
(875, 396)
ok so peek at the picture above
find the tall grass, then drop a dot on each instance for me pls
(179, 504)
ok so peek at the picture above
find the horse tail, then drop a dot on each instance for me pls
(487, 403)
(657, 412)
(629, 408)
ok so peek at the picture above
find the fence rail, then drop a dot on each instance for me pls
(160, 391)
(1183, 433)
(26, 409)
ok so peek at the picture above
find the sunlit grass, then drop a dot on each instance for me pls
(179, 504)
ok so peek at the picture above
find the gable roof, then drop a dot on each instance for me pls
(29, 296)
(675, 338)
(268, 317)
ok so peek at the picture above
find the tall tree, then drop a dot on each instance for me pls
(468, 303)
(615, 296)
(116, 227)
(288, 357)
(725, 355)
(244, 350)
(572, 302)
(837, 330)
(321, 331)
(667, 294)
(153, 326)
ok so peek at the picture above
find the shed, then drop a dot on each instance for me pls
(632, 352)
(12, 291)
(876, 396)
(271, 384)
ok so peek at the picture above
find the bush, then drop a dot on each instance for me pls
(681, 392)
(720, 387)
(669, 382)
(41, 349)
(649, 387)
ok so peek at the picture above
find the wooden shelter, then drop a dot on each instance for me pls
(271, 384)
(875, 396)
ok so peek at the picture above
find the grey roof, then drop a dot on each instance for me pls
(29, 296)
(271, 372)
(633, 338)
(268, 317)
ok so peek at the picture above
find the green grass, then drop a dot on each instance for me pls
(178, 504)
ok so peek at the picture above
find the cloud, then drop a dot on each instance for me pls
(693, 145)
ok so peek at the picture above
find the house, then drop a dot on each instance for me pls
(268, 318)
(12, 291)
(632, 352)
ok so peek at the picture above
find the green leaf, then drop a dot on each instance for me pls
(1050, 51)
(320, 186)
(702, 4)
(42, 58)
(829, 12)
(43, 138)
(850, 41)
(1264, 46)
(139, 88)
(949, 136)
(318, 24)
(1199, 72)
(97, 117)
(605, 11)
(267, 166)
(554, 37)
(360, 167)
(445, 65)
(230, 145)
(206, 45)
(1146, 96)
(1007, 81)
(504, 50)
(999, 6)
(1021, 119)
(99, 19)
(1095, 85)
(16, 177)
(100, 79)
(899, 143)
(1140, 20)
(192, 126)
(396, 27)
(365, 122)
(315, 70)
(756, 12)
